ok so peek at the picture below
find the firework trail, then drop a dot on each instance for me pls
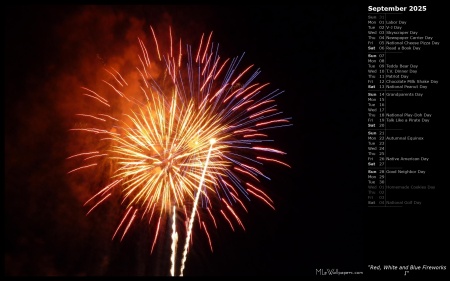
(194, 209)
(159, 149)
(174, 242)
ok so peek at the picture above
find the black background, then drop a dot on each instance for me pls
(317, 54)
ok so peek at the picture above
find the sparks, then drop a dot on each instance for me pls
(187, 138)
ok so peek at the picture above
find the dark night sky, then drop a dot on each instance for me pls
(315, 53)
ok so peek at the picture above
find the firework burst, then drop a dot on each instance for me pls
(197, 134)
